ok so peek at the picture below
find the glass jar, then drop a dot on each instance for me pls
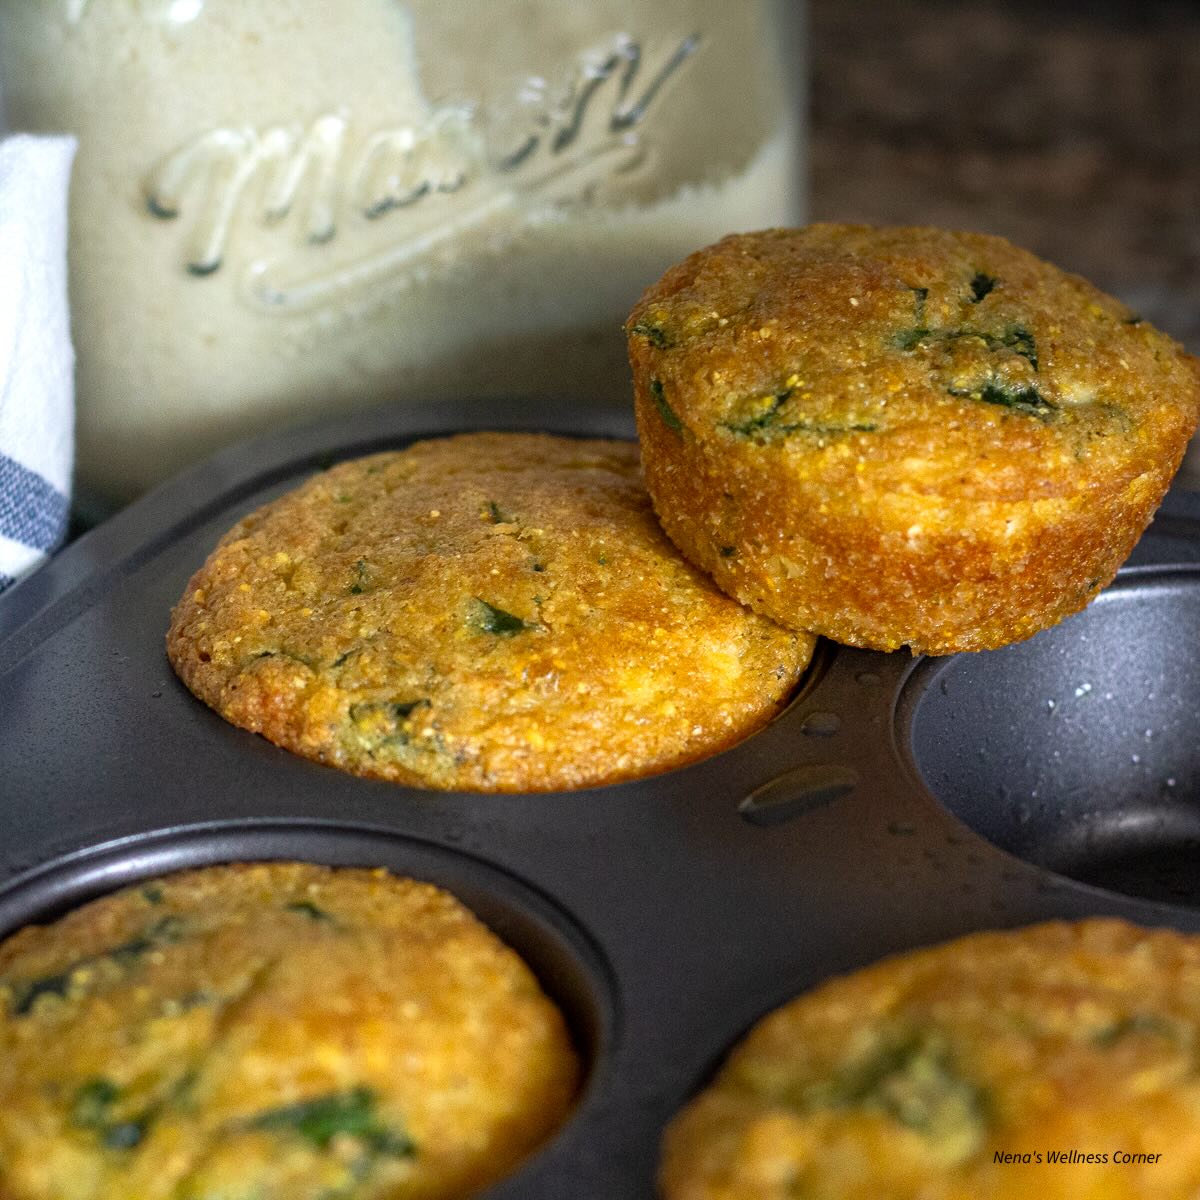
(283, 208)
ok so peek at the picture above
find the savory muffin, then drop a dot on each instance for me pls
(490, 612)
(275, 1031)
(903, 436)
(1053, 1061)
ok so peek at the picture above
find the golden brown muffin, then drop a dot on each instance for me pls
(275, 1032)
(903, 436)
(493, 612)
(1055, 1061)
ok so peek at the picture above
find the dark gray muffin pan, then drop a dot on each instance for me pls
(896, 802)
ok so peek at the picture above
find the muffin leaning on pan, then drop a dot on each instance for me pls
(903, 436)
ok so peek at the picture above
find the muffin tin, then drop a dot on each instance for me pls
(896, 802)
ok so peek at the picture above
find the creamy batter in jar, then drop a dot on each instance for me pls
(284, 208)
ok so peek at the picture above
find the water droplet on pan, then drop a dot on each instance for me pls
(794, 793)
(821, 724)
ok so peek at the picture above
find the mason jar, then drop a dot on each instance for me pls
(284, 208)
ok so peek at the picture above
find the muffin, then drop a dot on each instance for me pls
(903, 436)
(275, 1031)
(1052, 1061)
(488, 612)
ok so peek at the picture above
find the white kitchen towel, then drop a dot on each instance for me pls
(37, 403)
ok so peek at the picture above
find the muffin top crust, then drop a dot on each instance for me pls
(937, 360)
(490, 612)
(282, 1031)
(954, 1072)
(903, 436)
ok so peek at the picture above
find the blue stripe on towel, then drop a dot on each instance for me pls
(6, 581)
(32, 511)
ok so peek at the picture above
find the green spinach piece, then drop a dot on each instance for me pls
(312, 911)
(320, 1120)
(763, 420)
(1027, 400)
(910, 339)
(920, 296)
(670, 417)
(93, 1110)
(1017, 339)
(25, 995)
(914, 1080)
(981, 285)
(654, 334)
(164, 931)
(497, 622)
(396, 711)
(767, 424)
(93, 1102)
(1135, 1023)
(1020, 340)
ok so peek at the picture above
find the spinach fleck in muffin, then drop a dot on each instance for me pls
(275, 1032)
(492, 612)
(903, 436)
(970, 1071)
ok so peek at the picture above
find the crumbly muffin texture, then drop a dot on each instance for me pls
(1056, 1061)
(903, 436)
(490, 612)
(272, 1032)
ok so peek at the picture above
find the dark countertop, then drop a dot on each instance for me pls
(1072, 129)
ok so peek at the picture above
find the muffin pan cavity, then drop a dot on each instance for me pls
(664, 915)
(1077, 750)
(570, 968)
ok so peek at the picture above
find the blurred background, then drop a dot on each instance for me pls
(1071, 128)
